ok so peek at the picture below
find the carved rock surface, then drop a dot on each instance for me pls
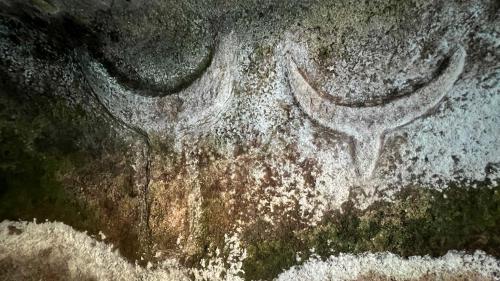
(239, 138)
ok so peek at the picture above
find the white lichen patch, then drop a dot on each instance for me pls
(436, 99)
(282, 127)
(84, 256)
(368, 124)
(352, 267)
(223, 264)
(87, 257)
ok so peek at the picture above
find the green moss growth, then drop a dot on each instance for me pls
(34, 146)
(419, 222)
(29, 189)
(43, 140)
(213, 225)
(269, 257)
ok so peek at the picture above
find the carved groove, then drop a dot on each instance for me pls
(389, 97)
(368, 124)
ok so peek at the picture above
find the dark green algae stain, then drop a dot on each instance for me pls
(418, 222)
(36, 142)
(34, 149)
(42, 140)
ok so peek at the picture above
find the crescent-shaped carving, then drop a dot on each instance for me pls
(202, 101)
(367, 125)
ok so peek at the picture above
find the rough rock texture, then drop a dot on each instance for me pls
(54, 251)
(297, 128)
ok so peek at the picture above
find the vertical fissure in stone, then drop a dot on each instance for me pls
(145, 229)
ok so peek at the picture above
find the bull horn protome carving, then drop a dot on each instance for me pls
(367, 125)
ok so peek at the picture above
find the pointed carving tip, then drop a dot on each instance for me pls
(363, 176)
(365, 155)
(458, 60)
(453, 70)
(366, 148)
(461, 53)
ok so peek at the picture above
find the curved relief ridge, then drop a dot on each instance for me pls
(204, 116)
(149, 88)
(367, 125)
(183, 111)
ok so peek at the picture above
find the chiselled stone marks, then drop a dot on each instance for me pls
(191, 109)
(149, 56)
(368, 124)
(386, 96)
(189, 112)
(151, 88)
(142, 166)
(206, 101)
